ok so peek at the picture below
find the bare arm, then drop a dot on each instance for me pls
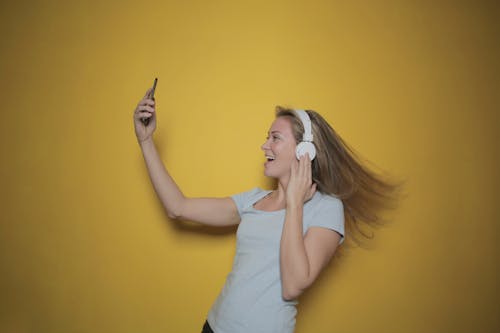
(302, 258)
(211, 211)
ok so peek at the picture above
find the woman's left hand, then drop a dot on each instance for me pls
(300, 187)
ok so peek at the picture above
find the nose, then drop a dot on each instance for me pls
(265, 146)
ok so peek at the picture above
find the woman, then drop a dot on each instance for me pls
(287, 236)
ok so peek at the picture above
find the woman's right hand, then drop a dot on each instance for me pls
(145, 109)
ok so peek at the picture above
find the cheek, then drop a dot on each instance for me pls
(289, 154)
(285, 151)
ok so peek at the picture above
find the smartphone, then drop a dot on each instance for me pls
(152, 93)
(145, 121)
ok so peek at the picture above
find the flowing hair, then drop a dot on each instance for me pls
(339, 171)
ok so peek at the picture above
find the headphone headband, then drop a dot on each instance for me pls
(306, 121)
(306, 146)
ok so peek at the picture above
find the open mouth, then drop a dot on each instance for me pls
(270, 158)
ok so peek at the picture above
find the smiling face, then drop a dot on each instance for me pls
(279, 149)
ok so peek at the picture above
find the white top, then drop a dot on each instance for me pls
(251, 299)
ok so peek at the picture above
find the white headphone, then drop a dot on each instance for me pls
(306, 146)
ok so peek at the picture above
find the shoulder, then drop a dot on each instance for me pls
(247, 198)
(256, 191)
(330, 201)
(328, 212)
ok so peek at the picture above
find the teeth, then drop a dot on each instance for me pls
(270, 158)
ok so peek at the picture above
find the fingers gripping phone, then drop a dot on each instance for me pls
(151, 95)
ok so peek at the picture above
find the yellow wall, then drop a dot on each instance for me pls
(85, 245)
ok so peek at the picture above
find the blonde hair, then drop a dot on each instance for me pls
(338, 170)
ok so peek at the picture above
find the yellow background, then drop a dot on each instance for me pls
(85, 246)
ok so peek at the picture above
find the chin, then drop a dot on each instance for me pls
(269, 173)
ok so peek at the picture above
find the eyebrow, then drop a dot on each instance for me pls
(272, 132)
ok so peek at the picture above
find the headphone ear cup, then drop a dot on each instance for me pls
(305, 147)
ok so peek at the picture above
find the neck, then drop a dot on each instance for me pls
(280, 192)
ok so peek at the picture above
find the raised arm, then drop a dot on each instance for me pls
(210, 211)
(302, 258)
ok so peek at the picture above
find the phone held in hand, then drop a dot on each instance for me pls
(151, 95)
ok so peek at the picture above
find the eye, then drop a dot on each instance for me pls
(273, 137)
